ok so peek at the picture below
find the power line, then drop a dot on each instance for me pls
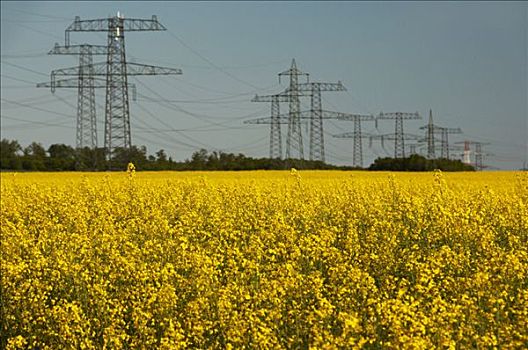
(39, 31)
(25, 68)
(211, 63)
(35, 108)
(39, 14)
(17, 79)
(37, 122)
(165, 103)
(170, 127)
(23, 56)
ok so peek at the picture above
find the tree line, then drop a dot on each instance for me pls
(419, 163)
(61, 157)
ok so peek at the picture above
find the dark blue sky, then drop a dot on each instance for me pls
(467, 61)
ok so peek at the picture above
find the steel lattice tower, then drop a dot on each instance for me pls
(85, 83)
(399, 117)
(86, 121)
(316, 125)
(275, 122)
(393, 137)
(445, 140)
(316, 114)
(117, 109)
(317, 151)
(86, 130)
(430, 137)
(479, 154)
(86, 134)
(357, 136)
(294, 140)
(116, 70)
(275, 133)
(430, 130)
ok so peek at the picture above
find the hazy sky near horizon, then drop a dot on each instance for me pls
(467, 61)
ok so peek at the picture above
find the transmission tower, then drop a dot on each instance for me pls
(274, 121)
(316, 112)
(479, 154)
(430, 130)
(412, 148)
(116, 70)
(393, 137)
(430, 137)
(317, 151)
(294, 139)
(85, 83)
(357, 136)
(399, 117)
(445, 142)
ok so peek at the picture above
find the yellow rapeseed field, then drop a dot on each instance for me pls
(264, 260)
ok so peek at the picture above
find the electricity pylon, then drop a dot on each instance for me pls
(396, 138)
(116, 70)
(431, 130)
(317, 151)
(274, 121)
(312, 89)
(479, 154)
(357, 136)
(430, 136)
(445, 142)
(85, 83)
(444, 138)
(399, 117)
(412, 148)
(294, 139)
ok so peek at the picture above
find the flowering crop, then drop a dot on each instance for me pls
(301, 259)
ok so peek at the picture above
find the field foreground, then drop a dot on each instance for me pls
(308, 259)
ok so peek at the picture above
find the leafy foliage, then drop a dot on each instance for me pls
(419, 163)
(60, 157)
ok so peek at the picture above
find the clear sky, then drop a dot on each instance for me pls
(467, 61)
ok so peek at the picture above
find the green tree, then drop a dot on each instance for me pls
(61, 157)
(34, 157)
(10, 155)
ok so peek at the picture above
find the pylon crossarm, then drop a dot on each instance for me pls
(392, 137)
(104, 24)
(73, 83)
(269, 98)
(267, 120)
(63, 83)
(132, 69)
(352, 117)
(439, 129)
(350, 134)
(305, 89)
(325, 115)
(144, 69)
(293, 70)
(403, 115)
(321, 86)
(78, 49)
(426, 127)
(68, 71)
(449, 130)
